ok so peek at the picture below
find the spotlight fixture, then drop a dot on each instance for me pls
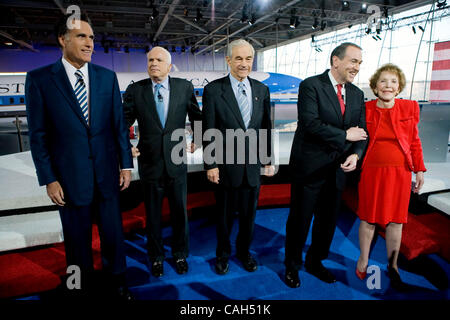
(186, 12)
(292, 22)
(316, 23)
(147, 49)
(252, 20)
(345, 5)
(323, 25)
(155, 13)
(363, 8)
(183, 48)
(379, 38)
(199, 15)
(127, 49)
(313, 38)
(374, 38)
(413, 29)
(174, 49)
(421, 29)
(368, 31)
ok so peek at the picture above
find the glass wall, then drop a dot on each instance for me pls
(407, 39)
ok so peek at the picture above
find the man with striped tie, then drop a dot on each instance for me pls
(81, 151)
(239, 104)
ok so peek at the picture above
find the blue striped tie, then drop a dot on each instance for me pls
(243, 104)
(81, 94)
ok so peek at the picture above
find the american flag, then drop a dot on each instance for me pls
(440, 76)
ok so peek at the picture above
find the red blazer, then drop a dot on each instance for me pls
(405, 117)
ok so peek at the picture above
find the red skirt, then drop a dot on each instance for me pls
(384, 194)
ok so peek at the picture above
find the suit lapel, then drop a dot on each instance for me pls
(331, 94)
(172, 101)
(94, 106)
(63, 84)
(149, 99)
(230, 100)
(349, 104)
(256, 98)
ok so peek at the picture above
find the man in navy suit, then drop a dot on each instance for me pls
(81, 151)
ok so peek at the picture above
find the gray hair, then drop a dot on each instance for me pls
(340, 50)
(238, 43)
(169, 57)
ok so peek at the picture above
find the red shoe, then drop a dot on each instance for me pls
(360, 275)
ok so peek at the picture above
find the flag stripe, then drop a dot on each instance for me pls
(440, 85)
(441, 65)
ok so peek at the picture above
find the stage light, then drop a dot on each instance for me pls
(345, 5)
(323, 25)
(363, 8)
(155, 14)
(316, 23)
(421, 29)
(414, 29)
(199, 15)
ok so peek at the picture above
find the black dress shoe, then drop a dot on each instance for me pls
(396, 281)
(319, 271)
(157, 269)
(291, 278)
(248, 262)
(181, 266)
(123, 294)
(222, 265)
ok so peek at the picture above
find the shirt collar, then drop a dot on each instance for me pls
(235, 82)
(333, 80)
(70, 69)
(164, 83)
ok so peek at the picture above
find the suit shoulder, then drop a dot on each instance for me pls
(41, 71)
(215, 83)
(103, 70)
(351, 85)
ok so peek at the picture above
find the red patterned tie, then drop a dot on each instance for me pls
(341, 100)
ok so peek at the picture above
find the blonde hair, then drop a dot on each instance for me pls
(392, 68)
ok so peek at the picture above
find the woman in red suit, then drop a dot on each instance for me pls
(394, 151)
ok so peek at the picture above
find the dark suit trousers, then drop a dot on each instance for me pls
(244, 200)
(176, 191)
(77, 228)
(316, 194)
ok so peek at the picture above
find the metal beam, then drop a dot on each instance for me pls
(288, 5)
(189, 23)
(165, 19)
(22, 43)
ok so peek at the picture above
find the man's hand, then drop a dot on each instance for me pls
(419, 181)
(56, 193)
(135, 152)
(350, 163)
(125, 179)
(356, 134)
(269, 171)
(213, 175)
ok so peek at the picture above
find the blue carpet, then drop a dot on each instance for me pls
(428, 276)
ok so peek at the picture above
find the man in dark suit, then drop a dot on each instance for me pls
(79, 141)
(160, 105)
(329, 140)
(239, 104)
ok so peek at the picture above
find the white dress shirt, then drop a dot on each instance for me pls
(248, 90)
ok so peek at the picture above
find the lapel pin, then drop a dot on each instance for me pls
(256, 98)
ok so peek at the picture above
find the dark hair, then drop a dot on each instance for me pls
(340, 50)
(61, 26)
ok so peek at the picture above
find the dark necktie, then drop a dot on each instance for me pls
(243, 104)
(341, 100)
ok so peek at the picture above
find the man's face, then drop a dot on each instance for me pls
(78, 44)
(240, 62)
(158, 64)
(347, 68)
